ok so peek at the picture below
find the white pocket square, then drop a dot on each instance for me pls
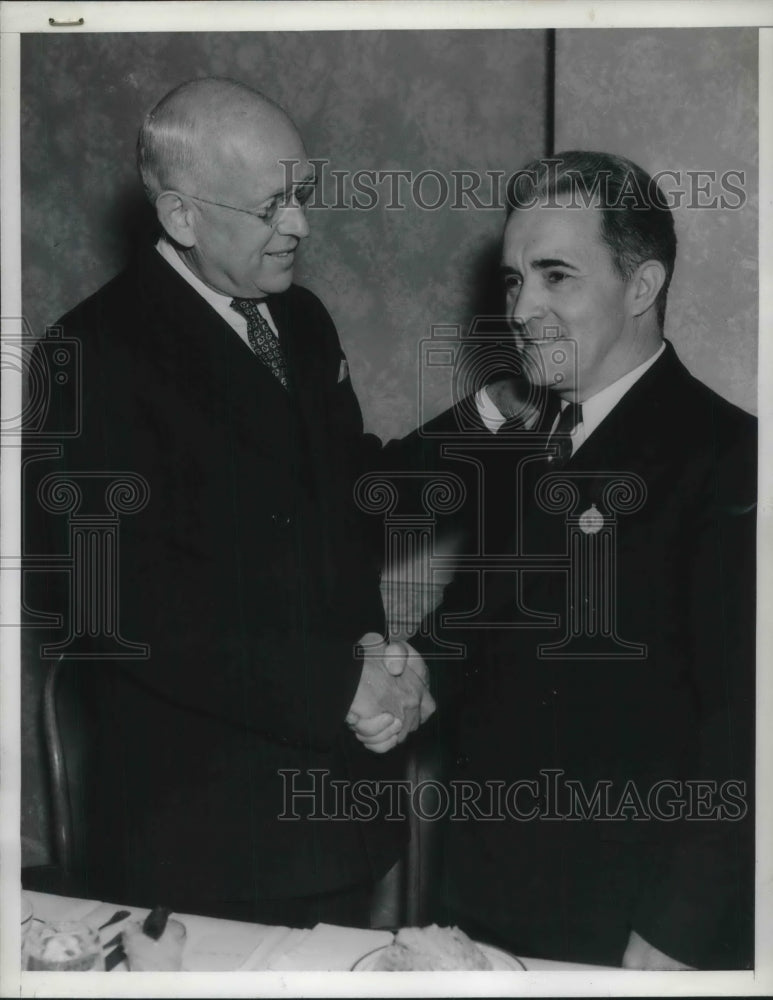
(343, 370)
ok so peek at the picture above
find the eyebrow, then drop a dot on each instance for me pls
(545, 262)
(304, 182)
(541, 264)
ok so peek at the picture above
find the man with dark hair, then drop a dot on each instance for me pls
(221, 389)
(635, 223)
(600, 719)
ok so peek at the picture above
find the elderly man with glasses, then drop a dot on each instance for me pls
(208, 374)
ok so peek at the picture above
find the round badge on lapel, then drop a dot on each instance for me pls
(591, 520)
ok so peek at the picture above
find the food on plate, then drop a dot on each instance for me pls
(434, 949)
(63, 947)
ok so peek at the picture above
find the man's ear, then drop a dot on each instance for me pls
(176, 217)
(645, 284)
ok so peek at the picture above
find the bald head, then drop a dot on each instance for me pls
(202, 132)
(222, 166)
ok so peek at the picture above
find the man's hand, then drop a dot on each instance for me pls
(378, 734)
(641, 955)
(393, 697)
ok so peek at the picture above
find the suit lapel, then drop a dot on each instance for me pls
(206, 360)
(638, 433)
(309, 386)
(304, 379)
(635, 444)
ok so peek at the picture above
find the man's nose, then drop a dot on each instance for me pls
(527, 304)
(293, 221)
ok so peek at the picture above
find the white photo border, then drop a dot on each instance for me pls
(17, 18)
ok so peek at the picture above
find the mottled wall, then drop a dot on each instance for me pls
(443, 101)
(681, 100)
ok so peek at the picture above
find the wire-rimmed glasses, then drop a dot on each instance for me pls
(299, 194)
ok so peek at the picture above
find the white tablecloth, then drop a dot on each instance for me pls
(214, 945)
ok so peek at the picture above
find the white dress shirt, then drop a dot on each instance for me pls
(594, 409)
(219, 302)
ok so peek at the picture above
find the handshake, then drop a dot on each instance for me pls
(393, 697)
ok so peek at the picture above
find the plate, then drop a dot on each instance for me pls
(500, 960)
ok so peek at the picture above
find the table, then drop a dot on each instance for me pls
(215, 945)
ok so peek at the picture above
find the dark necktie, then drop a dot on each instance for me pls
(262, 339)
(560, 441)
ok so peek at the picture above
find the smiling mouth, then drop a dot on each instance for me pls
(545, 337)
(281, 254)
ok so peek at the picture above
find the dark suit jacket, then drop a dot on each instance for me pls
(681, 571)
(247, 576)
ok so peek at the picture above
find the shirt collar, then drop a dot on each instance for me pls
(216, 299)
(220, 303)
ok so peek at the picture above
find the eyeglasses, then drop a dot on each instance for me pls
(300, 194)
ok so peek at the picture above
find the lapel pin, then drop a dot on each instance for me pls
(591, 520)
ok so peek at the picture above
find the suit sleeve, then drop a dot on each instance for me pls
(414, 464)
(213, 649)
(699, 902)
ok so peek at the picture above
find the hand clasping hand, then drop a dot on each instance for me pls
(393, 698)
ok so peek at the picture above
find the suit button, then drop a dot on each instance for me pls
(462, 760)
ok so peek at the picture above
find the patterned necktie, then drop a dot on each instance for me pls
(262, 339)
(561, 438)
